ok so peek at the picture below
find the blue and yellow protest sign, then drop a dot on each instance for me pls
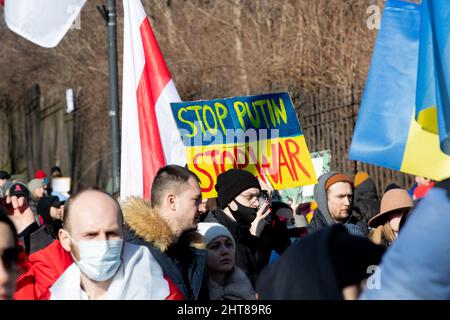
(260, 134)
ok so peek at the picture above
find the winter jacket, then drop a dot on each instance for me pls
(252, 253)
(183, 262)
(47, 260)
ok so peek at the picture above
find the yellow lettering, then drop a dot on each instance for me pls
(271, 113)
(214, 129)
(240, 110)
(221, 116)
(254, 120)
(280, 112)
(196, 110)
(260, 104)
(194, 128)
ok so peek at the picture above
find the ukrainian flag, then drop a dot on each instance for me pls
(432, 101)
(386, 133)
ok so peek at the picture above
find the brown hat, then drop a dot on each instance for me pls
(393, 199)
(339, 177)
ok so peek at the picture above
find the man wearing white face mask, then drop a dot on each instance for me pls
(104, 267)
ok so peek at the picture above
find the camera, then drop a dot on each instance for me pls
(263, 197)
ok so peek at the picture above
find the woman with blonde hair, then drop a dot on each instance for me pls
(395, 203)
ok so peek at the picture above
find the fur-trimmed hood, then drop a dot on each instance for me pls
(145, 222)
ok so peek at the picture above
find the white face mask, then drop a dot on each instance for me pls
(99, 259)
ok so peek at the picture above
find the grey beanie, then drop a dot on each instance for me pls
(212, 230)
(35, 184)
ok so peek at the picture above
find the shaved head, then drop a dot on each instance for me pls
(90, 207)
(92, 215)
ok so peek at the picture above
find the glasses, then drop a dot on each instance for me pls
(10, 257)
(252, 198)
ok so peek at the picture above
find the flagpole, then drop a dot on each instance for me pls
(109, 14)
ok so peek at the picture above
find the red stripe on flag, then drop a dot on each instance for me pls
(154, 78)
(2, 3)
(154, 61)
(151, 147)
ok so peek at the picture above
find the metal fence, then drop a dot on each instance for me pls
(36, 132)
(328, 117)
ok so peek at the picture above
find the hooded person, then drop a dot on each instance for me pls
(49, 209)
(417, 264)
(37, 191)
(327, 265)
(238, 194)
(395, 203)
(226, 281)
(366, 202)
(333, 194)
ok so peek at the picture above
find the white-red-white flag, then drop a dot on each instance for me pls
(150, 137)
(43, 22)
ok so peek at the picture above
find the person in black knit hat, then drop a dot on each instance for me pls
(239, 210)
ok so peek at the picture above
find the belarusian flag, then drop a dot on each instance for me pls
(150, 137)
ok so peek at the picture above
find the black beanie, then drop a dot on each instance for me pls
(351, 256)
(231, 183)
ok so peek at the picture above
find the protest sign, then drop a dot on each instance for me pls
(260, 134)
(321, 162)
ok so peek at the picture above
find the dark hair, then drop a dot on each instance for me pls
(277, 205)
(69, 203)
(4, 175)
(5, 219)
(392, 186)
(169, 177)
(55, 168)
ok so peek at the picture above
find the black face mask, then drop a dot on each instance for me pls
(244, 214)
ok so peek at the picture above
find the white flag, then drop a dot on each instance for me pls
(43, 22)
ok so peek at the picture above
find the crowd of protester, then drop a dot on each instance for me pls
(349, 243)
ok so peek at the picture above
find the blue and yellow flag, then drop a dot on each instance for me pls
(432, 100)
(386, 133)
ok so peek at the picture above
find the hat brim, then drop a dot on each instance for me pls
(381, 218)
(18, 194)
